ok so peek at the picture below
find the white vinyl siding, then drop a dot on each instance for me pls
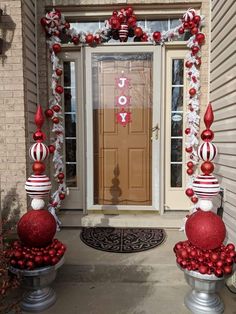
(223, 98)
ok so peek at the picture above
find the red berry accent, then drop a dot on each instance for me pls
(187, 131)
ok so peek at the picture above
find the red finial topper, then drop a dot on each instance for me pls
(209, 116)
(39, 118)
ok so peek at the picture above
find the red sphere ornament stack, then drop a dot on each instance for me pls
(204, 251)
(36, 229)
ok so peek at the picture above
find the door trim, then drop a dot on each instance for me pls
(156, 156)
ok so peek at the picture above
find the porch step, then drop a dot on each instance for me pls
(149, 220)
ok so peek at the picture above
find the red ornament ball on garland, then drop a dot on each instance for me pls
(62, 196)
(89, 39)
(56, 108)
(144, 37)
(59, 89)
(189, 149)
(187, 131)
(61, 176)
(138, 31)
(189, 192)
(191, 24)
(195, 50)
(67, 25)
(51, 149)
(190, 164)
(37, 228)
(181, 30)
(55, 120)
(43, 21)
(56, 48)
(192, 91)
(157, 36)
(56, 33)
(49, 113)
(194, 30)
(198, 61)
(194, 199)
(207, 135)
(188, 64)
(205, 230)
(190, 171)
(38, 167)
(39, 136)
(197, 19)
(186, 25)
(75, 40)
(207, 168)
(200, 38)
(58, 72)
(132, 21)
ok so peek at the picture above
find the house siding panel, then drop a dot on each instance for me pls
(30, 65)
(223, 98)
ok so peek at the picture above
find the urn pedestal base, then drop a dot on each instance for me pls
(203, 297)
(39, 296)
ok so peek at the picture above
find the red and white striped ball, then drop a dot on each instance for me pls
(123, 32)
(189, 15)
(38, 152)
(207, 151)
(38, 186)
(206, 187)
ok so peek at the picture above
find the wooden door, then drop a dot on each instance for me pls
(122, 155)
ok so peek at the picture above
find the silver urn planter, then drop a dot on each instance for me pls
(203, 297)
(40, 296)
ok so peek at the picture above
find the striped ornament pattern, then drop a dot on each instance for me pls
(38, 152)
(207, 151)
(123, 32)
(38, 186)
(206, 187)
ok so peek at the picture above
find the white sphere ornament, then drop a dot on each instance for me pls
(38, 152)
(37, 203)
(207, 151)
(38, 186)
(205, 205)
(206, 187)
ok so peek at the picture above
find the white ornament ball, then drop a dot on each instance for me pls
(205, 205)
(37, 203)
(207, 151)
(206, 187)
(38, 186)
(38, 152)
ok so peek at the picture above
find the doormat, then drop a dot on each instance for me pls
(122, 240)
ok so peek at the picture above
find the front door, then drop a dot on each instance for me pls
(122, 117)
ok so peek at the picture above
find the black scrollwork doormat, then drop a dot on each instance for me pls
(122, 240)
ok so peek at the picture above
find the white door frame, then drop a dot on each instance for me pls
(156, 144)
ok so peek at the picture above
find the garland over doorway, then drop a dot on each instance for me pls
(121, 25)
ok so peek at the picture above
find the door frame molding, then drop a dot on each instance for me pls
(157, 169)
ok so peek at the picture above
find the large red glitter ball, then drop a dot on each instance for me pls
(37, 228)
(205, 230)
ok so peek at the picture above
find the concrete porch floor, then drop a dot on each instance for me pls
(96, 282)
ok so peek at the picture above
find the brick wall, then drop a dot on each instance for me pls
(12, 112)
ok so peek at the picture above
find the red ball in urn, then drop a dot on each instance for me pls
(37, 228)
(205, 230)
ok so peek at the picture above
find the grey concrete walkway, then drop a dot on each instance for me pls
(96, 282)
